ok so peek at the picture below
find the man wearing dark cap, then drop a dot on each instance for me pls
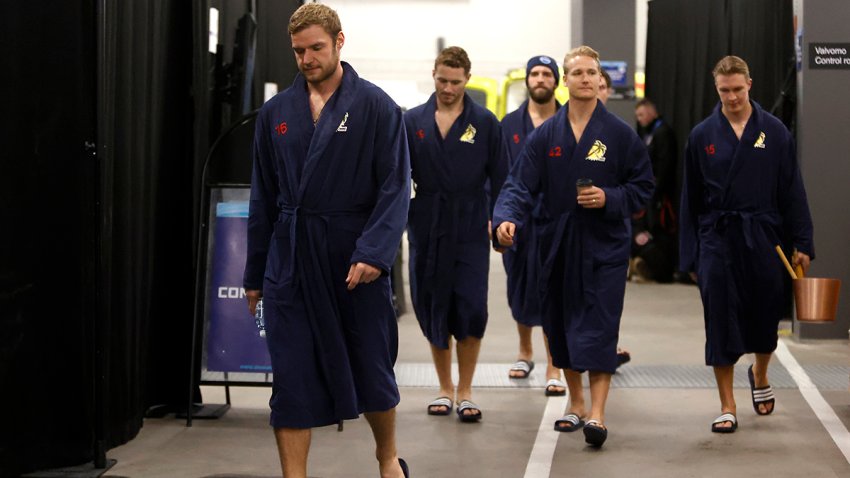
(541, 79)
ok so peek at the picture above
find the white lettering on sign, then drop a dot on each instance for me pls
(829, 56)
(830, 51)
(827, 61)
(231, 293)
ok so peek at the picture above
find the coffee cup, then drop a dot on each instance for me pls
(583, 184)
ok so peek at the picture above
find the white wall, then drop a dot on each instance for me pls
(393, 43)
(641, 18)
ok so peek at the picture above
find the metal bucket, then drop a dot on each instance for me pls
(816, 299)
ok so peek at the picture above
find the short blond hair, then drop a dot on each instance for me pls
(583, 50)
(311, 14)
(731, 65)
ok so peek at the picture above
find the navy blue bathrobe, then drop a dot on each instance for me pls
(447, 225)
(583, 253)
(739, 199)
(521, 260)
(323, 198)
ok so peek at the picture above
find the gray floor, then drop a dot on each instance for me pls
(658, 413)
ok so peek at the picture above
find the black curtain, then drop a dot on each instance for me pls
(686, 38)
(763, 34)
(96, 253)
(47, 90)
(105, 127)
(148, 163)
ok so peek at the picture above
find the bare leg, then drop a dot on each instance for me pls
(576, 392)
(526, 350)
(576, 397)
(725, 376)
(467, 359)
(760, 374)
(551, 370)
(600, 383)
(443, 365)
(383, 429)
(293, 445)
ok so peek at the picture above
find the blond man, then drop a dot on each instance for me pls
(593, 173)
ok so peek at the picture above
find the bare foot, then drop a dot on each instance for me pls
(470, 411)
(727, 423)
(566, 426)
(442, 409)
(522, 368)
(391, 469)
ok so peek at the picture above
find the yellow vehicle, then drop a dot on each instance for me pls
(486, 92)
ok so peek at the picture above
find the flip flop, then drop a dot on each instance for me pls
(551, 392)
(468, 405)
(440, 402)
(523, 366)
(574, 421)
(594, 434)
(726, 417)
(761, 396)
(404, 468)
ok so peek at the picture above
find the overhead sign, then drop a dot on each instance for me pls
(829, 56)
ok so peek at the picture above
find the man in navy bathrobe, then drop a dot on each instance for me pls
(541, 79)
(456, 146)
(584, 245)
(329, 199)
(742, 195)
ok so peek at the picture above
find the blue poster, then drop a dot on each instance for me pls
(235, 343)
(617, 70)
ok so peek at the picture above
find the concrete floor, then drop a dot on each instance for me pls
(654, 432)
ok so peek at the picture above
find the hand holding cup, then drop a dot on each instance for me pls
(589, 196)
